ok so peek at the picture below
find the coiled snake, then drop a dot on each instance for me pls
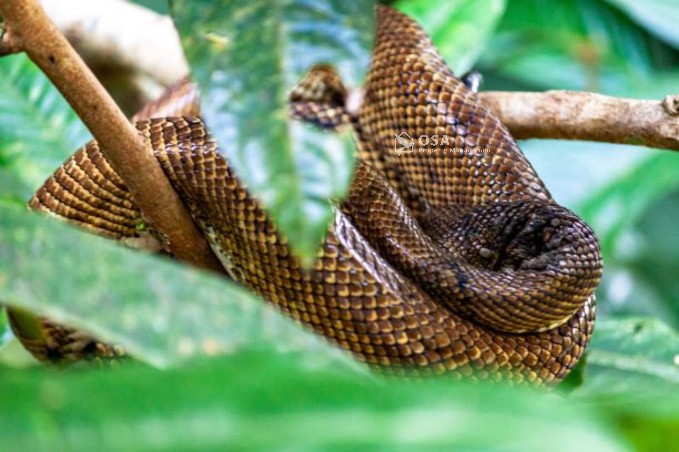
(449, 257)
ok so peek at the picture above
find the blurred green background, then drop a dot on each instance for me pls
(280, 387)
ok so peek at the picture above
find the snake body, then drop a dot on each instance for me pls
(450, 258)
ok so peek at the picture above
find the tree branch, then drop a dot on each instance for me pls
(588, 116)
(8, 43)
(118, 138)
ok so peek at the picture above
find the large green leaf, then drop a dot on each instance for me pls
(658, 264)
(460, 29)
(640, 267)
(158, 310)
(246, 56)
(612, 209)
(38, 130)
(632, 376)
(660, 17)
(262, 400)
(631, 355)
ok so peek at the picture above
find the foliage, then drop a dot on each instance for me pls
(659, 17)
(294, 169)
(455, 25)
(38, 130)
(275, 384)
(158, 310)
(5, 335)
(276, 400)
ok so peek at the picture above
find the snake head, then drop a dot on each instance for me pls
(521, 266)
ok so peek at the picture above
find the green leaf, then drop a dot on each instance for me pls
(459, 29)
(612, 209)
(246, 56)
(158, 310)
(660, 17)
(628, 356)
(262, 400)
(632, 376)
(5, 333)
(38, 130)
(640, 276)
(657, 264)
(583, 45)
(159, 6)
(590, 167)
(640, 267)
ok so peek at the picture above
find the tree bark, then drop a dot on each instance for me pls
(588, 116)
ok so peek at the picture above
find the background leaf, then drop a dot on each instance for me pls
(614, 208)
(628, 355)
(579, 45)
(159, 6)
(246, 56)
(459, 29)
(658, 16)
(38, 130)
(5, 333)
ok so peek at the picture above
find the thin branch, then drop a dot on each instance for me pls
(588, 116)
(119, 140)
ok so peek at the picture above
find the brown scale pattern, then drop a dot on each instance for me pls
(352, 296)
(541, 261)
(410, 89)
(422, 238)
(87, 192)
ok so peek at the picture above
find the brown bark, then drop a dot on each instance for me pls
(122, 144)
(8, 44)
(588, 116)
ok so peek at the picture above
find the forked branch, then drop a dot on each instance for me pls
(32, 31)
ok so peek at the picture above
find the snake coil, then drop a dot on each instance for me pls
(451, 257)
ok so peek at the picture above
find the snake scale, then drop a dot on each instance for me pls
(451, 257)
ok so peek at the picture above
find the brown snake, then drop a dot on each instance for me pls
(436, 261)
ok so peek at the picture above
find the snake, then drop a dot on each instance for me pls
(447, 256)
